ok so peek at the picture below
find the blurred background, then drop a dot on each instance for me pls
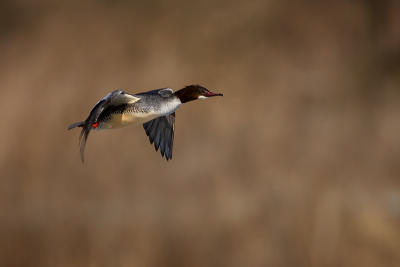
(297, 165)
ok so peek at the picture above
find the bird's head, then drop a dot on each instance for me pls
(193, 92)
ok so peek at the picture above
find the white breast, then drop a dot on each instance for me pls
(170, 106)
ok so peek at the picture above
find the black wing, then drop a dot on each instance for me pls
(161, 132)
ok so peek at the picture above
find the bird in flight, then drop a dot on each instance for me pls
(155, 109)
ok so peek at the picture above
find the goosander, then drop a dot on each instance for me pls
(155, 109)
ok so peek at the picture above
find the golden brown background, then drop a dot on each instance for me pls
(297, 165)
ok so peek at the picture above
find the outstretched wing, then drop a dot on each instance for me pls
(115, 98)
(161, 132)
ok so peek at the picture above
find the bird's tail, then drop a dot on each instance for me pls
(76, 124)
(83, 136)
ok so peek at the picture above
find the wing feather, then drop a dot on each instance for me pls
(161, 132)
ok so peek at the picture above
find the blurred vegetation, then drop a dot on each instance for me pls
(297, 165)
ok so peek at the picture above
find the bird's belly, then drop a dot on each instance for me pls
(124, 119)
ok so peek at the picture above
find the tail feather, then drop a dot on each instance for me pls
(82, 140)
(82, 137)
(76, 124)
